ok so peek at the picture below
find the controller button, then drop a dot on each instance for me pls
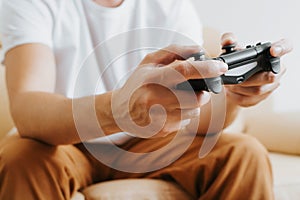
(229, 48)
(258, 44)
(200, 56)
(240, 79)
(248, 46)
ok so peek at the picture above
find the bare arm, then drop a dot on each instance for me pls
(37, 111)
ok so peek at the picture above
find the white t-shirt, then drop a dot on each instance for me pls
(96, 47)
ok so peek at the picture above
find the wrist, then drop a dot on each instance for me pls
(232, 110)
(106, 118)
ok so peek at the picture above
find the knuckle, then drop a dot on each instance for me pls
(182, 67)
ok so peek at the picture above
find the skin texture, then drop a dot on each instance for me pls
(41, 114)
(109, 3)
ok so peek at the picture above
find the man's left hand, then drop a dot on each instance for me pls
(261, 85)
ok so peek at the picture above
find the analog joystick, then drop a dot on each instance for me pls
(229, 48)
(200, 56)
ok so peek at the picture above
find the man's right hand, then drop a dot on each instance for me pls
(148, 105)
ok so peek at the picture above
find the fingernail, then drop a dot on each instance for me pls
(277, 50)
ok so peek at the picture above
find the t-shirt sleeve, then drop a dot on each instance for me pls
(25, 21)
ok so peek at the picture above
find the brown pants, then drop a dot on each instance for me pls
(237, 168)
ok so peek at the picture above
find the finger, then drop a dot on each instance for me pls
(182, 52)
(180, 71)
(169, 54)
(228, 38)
(254, 91)
(180, 99)
(172, 99)
(246, 101)
(191, 100)
(263, 78)
(281, 48)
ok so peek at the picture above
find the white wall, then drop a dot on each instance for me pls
(261, 20)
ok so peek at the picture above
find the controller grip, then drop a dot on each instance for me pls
(209, 84)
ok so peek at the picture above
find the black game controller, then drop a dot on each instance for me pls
(242, 64)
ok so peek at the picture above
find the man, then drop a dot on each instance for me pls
(52, 82)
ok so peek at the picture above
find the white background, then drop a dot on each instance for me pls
(261, 20)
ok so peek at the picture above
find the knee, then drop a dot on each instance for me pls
(20, 155)
(246, 148)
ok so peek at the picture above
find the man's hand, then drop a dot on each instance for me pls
(149, 106)
(261, 85)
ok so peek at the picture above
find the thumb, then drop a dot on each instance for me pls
(180, 71)
(169, 54)
(228, 38)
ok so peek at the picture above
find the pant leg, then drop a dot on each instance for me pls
(33, 170)
(237, 168)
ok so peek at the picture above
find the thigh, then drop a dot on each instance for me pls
(67, 167)
(184, 166)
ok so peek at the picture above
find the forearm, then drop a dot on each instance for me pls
(232, 111)
(51, 117)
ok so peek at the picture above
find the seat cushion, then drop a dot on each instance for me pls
(135, 189)
(286, 185)
(286, 172)
(78, 196)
